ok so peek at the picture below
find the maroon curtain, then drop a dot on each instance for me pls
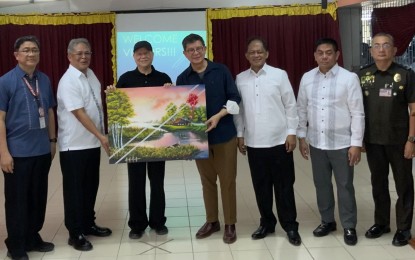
(398, 22)
(290, 41)
(54, 40)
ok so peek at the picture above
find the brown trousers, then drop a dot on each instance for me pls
(222, 164)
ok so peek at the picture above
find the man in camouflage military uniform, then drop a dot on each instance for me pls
(388, 92)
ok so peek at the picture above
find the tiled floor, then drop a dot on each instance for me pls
(185, 213)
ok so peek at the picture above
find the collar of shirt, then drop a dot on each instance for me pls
(78, 73)
(210, 66)
(264, 70)
(21, 73)
(145, 75)
(391, 70)
(333, 71)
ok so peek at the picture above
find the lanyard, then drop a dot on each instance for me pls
(35, 95)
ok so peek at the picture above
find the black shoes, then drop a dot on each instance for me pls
(80, 243)
(41, 246)
(401, 237)
(262, 232)
(136, 234)
(163, 230)
(294, 238)
(324, 229)
(350, 237)
(13, 257)
(376, 231)
(98, 231)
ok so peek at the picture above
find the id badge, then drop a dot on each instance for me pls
(385, 92)
(42, 122)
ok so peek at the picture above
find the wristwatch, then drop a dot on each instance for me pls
(411, 139)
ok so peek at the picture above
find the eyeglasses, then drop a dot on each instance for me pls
(81, 54)
(197, 49)
(29, 51)
(385, 46)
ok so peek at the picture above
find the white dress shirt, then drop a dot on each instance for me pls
(330, 109)
(267, 111)
(74, 92)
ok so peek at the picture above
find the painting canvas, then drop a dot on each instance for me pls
(157, 123)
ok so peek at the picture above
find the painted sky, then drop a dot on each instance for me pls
(150, 102)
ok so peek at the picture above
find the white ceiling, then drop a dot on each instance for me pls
(64, 6)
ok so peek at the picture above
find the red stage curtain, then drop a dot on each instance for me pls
(397, 21)
(54, 33)
(290, 40)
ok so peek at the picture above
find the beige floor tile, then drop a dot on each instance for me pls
(186, 213)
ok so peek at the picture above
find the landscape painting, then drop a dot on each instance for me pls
(157, 124)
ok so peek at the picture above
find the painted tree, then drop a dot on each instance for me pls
(120, 109)
(192, 100)
(184, 111)
(171, 109)
(200, 114)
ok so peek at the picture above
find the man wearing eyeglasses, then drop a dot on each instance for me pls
(80, 135)
(388, 93)
(27, 148)
(222, 100)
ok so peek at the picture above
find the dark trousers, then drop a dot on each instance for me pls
(272, 170)
(80, 172)
(379, 157)
(137, 195)
(26, 191)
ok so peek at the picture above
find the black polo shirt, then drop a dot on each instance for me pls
(135, 78)
(386, 95)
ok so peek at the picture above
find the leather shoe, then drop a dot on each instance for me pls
(135, 234)
(163, 230)
(229, 236)
(41, 246)
(294, 237)
(376, 231)
(324, 229)
(98, 231)
(401, 237)
(80, 243)
(208, 229)
(262, 232)
(13, 257)
(350, 237)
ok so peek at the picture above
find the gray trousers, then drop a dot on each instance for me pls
(325, 163)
